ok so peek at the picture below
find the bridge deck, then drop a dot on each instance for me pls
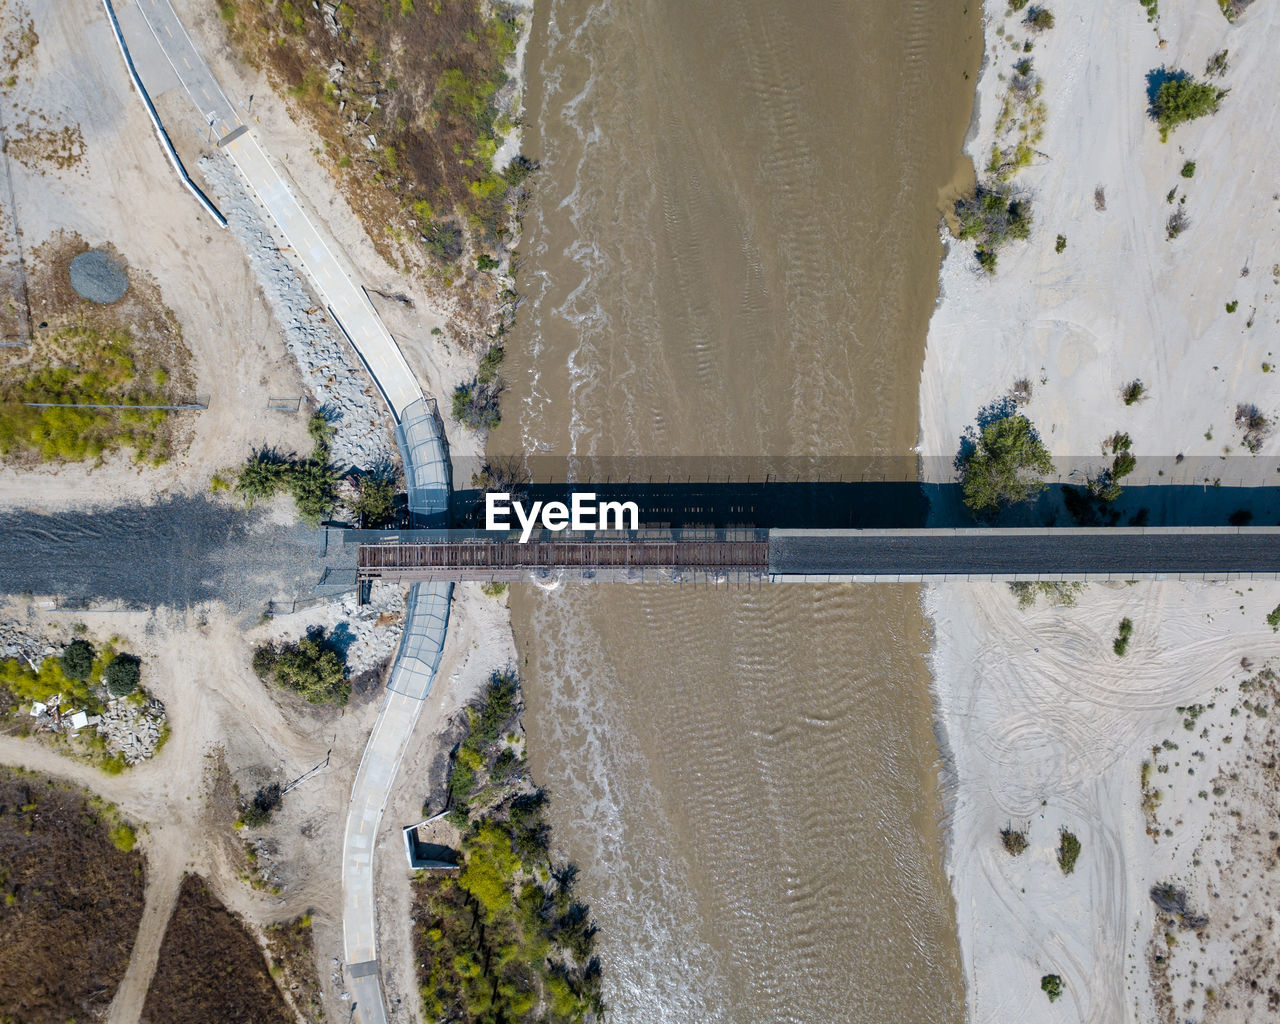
(588, 559)
(828, 555)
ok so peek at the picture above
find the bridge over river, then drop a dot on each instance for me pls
(824, 556)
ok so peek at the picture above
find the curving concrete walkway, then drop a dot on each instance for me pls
(330, 276)
(427, 610)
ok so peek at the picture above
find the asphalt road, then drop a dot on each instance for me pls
(1105, 553)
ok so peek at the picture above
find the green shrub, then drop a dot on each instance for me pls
(991, 217)
(1051, 985)
(475, 405)
(374, 505)
(1003, 464)
(122, 675)
(1232, 9)
(264, 803)
(443, 241)
(493, 589)
(1273, 618)
(1060, 245)
(1181, 99)
(1216, 66)
(487, 371)
(77, 660)
(1068, 851)
(123, 838)
(486, 262)
(1133, 392)
(1017, 5)
(1121, 643)
(311, 667)
(1233, 305)
(1189, 169)
(1039, 18)
(313, 481)
(1151, 7)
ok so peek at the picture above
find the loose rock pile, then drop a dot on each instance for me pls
(132, 730)
(16, 642)
(377, 626)
(326, 362)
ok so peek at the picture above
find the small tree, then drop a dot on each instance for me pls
(122, 675)
(1068, 851)
(77, 660)
(1004, 464)
(263, 805)
(1121, 643)
(374, 505)
(1181, 99)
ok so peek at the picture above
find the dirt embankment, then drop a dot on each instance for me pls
(412, 103)
(73, 892)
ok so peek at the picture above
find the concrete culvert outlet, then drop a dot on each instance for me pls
(98, 276)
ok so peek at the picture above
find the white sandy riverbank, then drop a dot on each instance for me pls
(1046, 727)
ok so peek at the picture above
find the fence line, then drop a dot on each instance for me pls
(197, 405)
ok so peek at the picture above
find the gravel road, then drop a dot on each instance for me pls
(178, 552)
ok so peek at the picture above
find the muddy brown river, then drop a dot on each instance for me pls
(733, 250)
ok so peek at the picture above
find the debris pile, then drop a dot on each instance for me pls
(132, 729)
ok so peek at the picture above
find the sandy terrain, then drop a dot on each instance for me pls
(123, 191)
(1044, 726)
(220, 713)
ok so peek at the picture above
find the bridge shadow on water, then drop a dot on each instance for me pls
(815, 503)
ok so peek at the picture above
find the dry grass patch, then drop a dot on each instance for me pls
(73, 894)
(211, 971)
(129, 352)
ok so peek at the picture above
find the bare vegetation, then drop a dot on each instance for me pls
(73, 893)
(1256, 426)
(293, 965)
(1063, 595)
(187, 988)
(1014, 841)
